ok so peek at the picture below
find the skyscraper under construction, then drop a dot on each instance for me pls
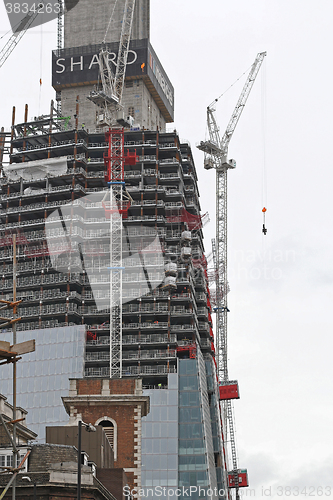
(55, 196)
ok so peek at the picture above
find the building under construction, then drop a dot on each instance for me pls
(55, 196)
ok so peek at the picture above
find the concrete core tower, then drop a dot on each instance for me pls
(148, 93)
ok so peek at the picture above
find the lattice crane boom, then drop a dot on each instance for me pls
(19, 33)
(241, 102)
(125, 38)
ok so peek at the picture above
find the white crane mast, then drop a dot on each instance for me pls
(116, 182)
(216, 151)
(109, 98)
(116, 279)
(19, 33)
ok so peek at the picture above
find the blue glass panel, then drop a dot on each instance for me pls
(164, 446)
(172, 413)
(156, 430)
(173, 398)
(173, 381)
(188, 383)
(188, 367)
(40, 373)
(156, 445)
(172, 430)
(172, 446)
(190, 431)
(156, 413)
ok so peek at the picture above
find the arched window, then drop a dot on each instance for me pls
(110, 429)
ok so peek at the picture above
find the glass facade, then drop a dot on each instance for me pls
(216, 428)
(192, 449)
(160, 438)
(196, 457)
(42, 376)
(177, 440)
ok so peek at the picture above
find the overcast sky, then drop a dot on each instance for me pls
(280, 320)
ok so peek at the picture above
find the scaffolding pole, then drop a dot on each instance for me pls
(11, 354)
(14, 367)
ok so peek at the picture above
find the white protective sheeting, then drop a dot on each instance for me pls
(37, 169)
(78, 238)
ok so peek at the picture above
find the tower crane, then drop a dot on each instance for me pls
(109, 99)
(215, 156)
(19, 33)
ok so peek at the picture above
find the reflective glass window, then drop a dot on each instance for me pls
(190, 414)
(173, 381)
(188, 367)
(163, 462)
(172, 413)
(188, 383)
(38, 384)
(173, 398)
(148, 429)
(164, 446)
(172, 462)
(172, 429)
(156, 429)
(156, 413)
(172, 446)
(45, 384)
(190, 431)
(147, 443)
(163, 399)
(164, 430)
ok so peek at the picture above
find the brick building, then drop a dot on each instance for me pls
(118, 406)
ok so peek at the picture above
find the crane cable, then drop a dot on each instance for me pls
(218, 98)
(263, 132)
(40, 67)
(215, 100)
(110, 20)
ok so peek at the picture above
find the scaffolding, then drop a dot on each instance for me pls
(12, 354)
(62, 221)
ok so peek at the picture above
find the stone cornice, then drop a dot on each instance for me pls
(113, 400)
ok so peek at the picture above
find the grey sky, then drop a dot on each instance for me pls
(280, 324)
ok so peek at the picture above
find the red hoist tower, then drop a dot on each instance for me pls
(216, 151)
(108, 98)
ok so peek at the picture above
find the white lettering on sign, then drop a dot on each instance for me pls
(90, 61)
(58, 63)
(112, 58)
(93, 61)
(160, 78)
(79, 63)
(131, 60)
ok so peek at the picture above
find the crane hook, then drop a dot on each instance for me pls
(264, 230)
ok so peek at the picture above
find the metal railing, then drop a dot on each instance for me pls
(150, 339)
